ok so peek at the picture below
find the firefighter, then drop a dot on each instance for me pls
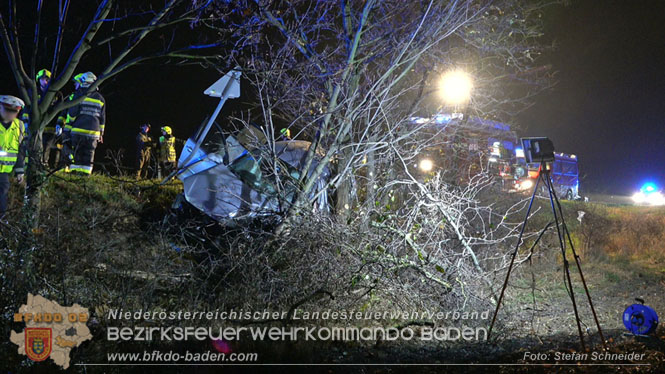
(51, 139)
(167, 155)
(43, 78)
(143, 149)
(84, 124)
(12, 134)
(285, 134)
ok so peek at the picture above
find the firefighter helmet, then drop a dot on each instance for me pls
(44, 73)
(11, 101)
(85, 79)
(167, 130)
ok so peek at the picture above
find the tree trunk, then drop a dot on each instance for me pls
(344, 198)
(33, 190)
(34, 178)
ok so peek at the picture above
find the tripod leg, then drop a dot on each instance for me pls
(579, 268)
(512, 259)
(566, 265)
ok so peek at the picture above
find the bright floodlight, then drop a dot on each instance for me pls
(456, 87)
(426, 165)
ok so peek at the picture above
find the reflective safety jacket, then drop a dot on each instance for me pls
(11, 137)
(87, 118)
(167, 148)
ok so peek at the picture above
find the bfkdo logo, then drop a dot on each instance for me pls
(38, 343)
(51, 330)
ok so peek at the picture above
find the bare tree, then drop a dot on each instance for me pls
(349, 76)
(128, 34)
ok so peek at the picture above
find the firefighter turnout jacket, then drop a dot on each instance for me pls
(167, 148)
(88, 118)
(83, 128)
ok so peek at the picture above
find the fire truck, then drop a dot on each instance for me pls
(464, 147)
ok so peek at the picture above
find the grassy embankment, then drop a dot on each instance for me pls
(622, 250)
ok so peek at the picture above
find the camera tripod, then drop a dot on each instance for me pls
(562, 230)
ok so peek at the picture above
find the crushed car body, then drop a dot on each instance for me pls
(244, 175)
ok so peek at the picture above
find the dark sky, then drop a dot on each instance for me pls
(608, 106)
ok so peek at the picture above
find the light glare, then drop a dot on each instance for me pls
(426, 165)
(526, 184)
(456, 87)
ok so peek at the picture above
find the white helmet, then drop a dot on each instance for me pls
(85, 79)
(12, 101)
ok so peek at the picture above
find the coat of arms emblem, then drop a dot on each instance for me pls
(38, 343)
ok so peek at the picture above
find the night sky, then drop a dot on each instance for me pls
(607, 106)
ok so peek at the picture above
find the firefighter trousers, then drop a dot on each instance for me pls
(165, 168)
(84, 153)
(142, 163)
(4, 193)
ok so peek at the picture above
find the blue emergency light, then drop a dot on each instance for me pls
(649, 187)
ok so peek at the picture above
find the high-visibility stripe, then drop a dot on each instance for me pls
(10, 140)
(81, 168)
(70, 119)
(49, 129)
(68, 127)
(90, 100)
(76, 130)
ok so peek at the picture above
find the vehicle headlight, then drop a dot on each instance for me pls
(639, 197)
(526, 184)
(656, 198)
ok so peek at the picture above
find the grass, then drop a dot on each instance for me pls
(114, 193)
(612, 277)
(618, 246)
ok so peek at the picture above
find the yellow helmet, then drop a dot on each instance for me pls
(85, 79)
(167, 130)
(43, 73)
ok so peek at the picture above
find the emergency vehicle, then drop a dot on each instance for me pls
(565, 175)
